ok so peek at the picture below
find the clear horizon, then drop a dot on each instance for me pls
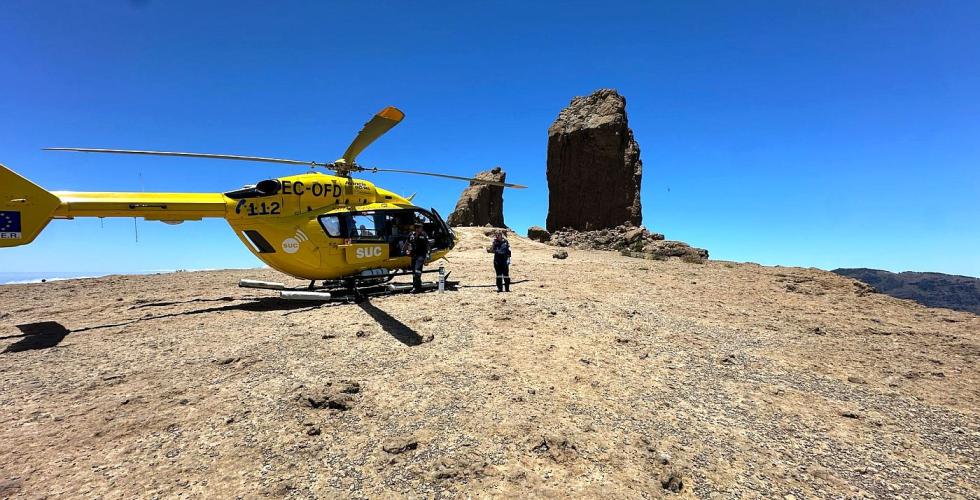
(837, 135)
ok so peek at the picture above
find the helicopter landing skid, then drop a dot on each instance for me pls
(352, 289)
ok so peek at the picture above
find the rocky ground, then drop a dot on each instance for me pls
(599, 375)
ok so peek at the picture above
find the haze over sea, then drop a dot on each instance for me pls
(7, 278)
(21, 277)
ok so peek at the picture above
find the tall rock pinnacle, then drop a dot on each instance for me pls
(594, 165)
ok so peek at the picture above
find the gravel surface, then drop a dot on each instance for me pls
(599, 375)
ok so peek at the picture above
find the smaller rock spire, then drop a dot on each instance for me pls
(481, 204)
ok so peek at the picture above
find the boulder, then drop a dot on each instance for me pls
(594, 165)
(481, 204)
(538, 233)
(397, 446)
(633, 234)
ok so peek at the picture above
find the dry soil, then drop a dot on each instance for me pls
(598, 375)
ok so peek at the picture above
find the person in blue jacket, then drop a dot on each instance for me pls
(501, 261)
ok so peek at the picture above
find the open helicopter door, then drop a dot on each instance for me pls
(446, 238)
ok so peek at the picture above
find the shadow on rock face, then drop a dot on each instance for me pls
(395, 328)
(41, 335)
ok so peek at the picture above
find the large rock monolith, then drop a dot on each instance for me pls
(594, 165)
(481, 204)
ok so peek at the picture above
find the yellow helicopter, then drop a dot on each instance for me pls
(313, 226)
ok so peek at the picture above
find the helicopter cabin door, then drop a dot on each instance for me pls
(368, 244)
(444, 237)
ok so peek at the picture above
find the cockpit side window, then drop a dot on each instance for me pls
(364, 226)
(331, 224)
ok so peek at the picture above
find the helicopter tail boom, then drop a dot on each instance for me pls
(170, 207)
(26, 208)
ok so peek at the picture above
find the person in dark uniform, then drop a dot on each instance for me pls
(501, 261)
(418, 249)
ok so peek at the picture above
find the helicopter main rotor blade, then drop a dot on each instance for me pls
(191, 155)
(471, 179)
(381, 123)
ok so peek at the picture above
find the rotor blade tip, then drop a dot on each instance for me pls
(392, 113)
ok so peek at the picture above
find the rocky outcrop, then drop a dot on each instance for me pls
(538, 233)
(631, 241)
(594, 165)
(594, 173)
(481, 204)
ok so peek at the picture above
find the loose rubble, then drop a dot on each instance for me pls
(630, 241)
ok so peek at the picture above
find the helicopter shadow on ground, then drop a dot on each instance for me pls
(400, 331)
(40, 335)
(46, 334)
(252, 304)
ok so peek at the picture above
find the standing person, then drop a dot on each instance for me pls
(418, 248)
(501, 261)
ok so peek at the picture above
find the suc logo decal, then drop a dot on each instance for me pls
(368, 252)
(290, 245)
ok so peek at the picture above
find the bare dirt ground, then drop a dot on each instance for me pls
(599, 375)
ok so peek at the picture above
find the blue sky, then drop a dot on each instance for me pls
(825, 134)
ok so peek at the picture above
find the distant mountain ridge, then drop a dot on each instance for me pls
(951, 291)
